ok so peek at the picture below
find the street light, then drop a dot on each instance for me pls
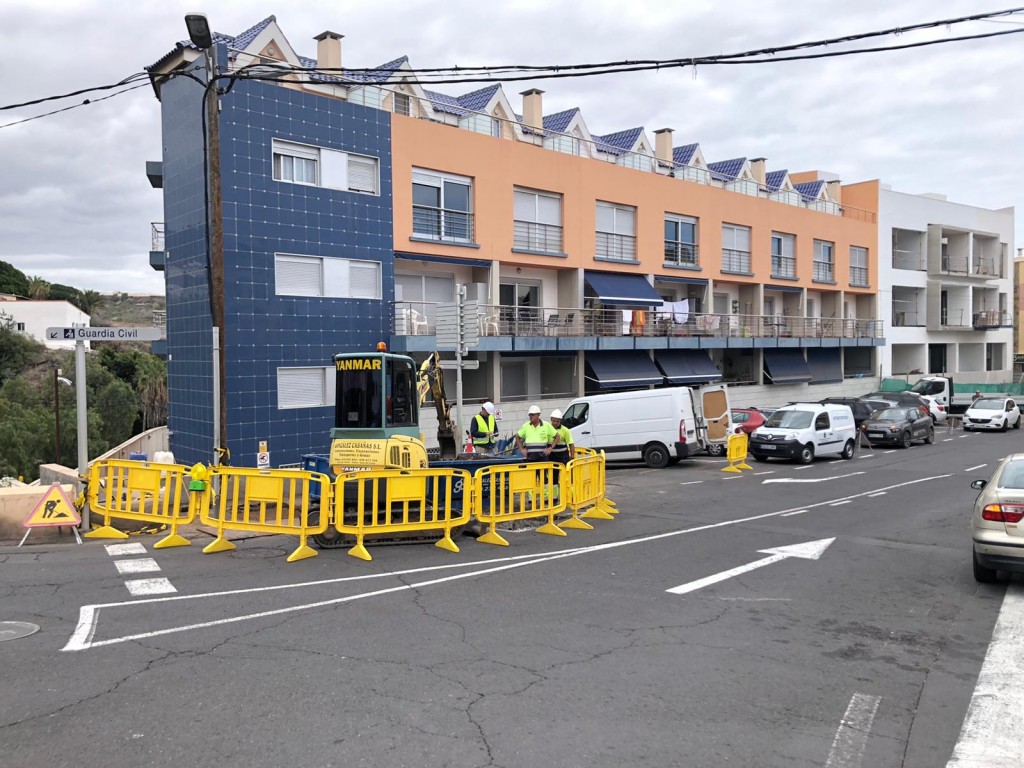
(58, 380)
(199, 30)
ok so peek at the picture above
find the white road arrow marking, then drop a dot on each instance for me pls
(809, 550)
(808, 480)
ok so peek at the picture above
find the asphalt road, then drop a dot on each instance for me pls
(552, 652)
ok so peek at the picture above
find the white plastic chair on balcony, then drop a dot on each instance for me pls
(489, 324)
(417, 324)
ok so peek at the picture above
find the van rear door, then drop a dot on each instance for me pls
(714, 406)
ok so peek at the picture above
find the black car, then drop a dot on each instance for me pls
(900, 425)
(900, 398)
(861, 407)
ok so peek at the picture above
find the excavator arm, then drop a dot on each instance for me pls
(431, 381)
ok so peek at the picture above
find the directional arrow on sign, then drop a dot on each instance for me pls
(809, 479)
(53, 333)
(810, 550)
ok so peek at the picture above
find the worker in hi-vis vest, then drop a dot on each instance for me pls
(534, 437)
(484, 429)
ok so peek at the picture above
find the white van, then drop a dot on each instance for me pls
(802, 431)
(660, 426)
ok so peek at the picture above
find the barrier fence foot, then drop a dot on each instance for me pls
(609, 506)
(731, 468)
(492, 537)
(173, 540)
(220, 544)
(551, 529)
(596, 512)
(105, 532)
(447, 544)
(743, 465)
(577, 524)
(302, 553)
(360, 551)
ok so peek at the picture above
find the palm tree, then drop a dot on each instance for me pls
(90, 301)
(38, 288)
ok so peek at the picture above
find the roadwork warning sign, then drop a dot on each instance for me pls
(55, 508)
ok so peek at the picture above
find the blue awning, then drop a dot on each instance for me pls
(786, 366)
(622, 290)
(783, 288)
(687, 280)
(441, 259)
(687, 366)
(825, 364)
(621, 370)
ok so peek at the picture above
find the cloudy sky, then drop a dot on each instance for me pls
(75, 206)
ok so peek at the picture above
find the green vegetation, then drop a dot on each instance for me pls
(126, 389)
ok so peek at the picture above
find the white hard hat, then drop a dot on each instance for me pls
(534, 409)
(556, 414)
(489, 407)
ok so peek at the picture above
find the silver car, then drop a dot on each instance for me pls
(997, 525)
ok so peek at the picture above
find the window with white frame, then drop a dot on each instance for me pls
(783, 255)
(616, 232)
(496, 131)
(680, 241)
(824, 262)
(858, 266)
(402, 104)
(736, 248)
(537, 221)
(317, 166)
(442, 206)
(296, 275)
(305, 387)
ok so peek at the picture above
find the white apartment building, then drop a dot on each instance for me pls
(946, 288)
(32, 318)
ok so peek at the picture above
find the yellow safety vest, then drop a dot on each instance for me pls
(488, 427)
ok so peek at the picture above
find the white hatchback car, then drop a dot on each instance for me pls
(992, 413)
(997, 525)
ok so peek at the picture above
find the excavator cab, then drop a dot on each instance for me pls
(376, 413)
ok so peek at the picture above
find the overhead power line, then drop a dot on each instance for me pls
(85, 103)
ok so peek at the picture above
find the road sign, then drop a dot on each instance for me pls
(104, 334)
(451, 365)
(263, 460)
(53, 510)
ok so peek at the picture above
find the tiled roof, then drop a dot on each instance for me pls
(242, 41)
(683, 155)
(380, 74)
(809, 190)
(442, 102)
(559, 121)
(476, 101)
(727, 170)
(773, 180)
(618, 143)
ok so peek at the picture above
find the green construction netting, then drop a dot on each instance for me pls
(894, 385)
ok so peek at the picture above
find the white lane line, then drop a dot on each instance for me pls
(963, 436)
(971, 469)
(891, 451)
(790, 514)
(948, 440)
(81, 638)
(139, 565)
(852, 735)
(734, 477)
(125, 549)
(766, 472)
(985, 740)
(149, 586)
(692, 482)
(866, 456)
(875, 495)
(809, 466)
(840, 503)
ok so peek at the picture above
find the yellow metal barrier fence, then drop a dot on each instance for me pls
(139, 490)
(400, 501)
(584, 487)
(515, 492)
(264, 501)
(604, 508)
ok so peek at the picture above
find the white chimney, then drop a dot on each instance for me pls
(663, 145)
(757, 169)
(533, 109)
(328, 50)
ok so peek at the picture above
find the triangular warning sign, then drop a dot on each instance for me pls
(55, 508)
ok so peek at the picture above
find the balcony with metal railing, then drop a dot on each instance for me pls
(532, 236)
(824, 272)
(992, 318)
(783, 267)
(442, 224)
(859, 277)
(683, 255)
(157, 248)
(614, 247)
(417, 318)
(735, 261)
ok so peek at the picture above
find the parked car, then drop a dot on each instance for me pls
(900, 425)
(862, 409)
(996, 534)
(747, 419)
(992, 413)
(937, 410)
(802, 431)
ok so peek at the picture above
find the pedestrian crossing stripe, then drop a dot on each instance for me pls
(55, 508)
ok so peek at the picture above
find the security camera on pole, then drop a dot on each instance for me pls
(458, 329)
